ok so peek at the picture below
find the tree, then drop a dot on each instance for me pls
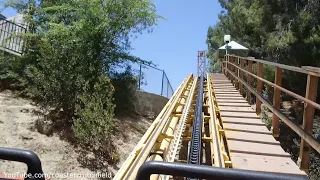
(73, 46)
(286, 32)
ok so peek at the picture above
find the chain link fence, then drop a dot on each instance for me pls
(154, 80)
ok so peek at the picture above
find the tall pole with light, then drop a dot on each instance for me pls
(227, 39)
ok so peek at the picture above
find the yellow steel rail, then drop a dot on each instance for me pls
(220, 157)
(142, 151)
(163, 140)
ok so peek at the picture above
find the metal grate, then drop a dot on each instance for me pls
(9, 41)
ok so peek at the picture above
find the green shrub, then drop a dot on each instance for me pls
(125, 84)
(72, 48)
(93, 120)
(11, 72)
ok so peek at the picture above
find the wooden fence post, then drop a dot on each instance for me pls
(234, 72)
(259, 88)
(222, 64)
(311, 94)
(227, 66)
(231, 68)
(276, 102)
(241, 75)
(249, 80)
(237, 73)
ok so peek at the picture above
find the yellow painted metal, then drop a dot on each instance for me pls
(216, 157)
(155, 157)
(222, 140)
(220, 155)
(130, 170)
(168, 130)
(155, 143)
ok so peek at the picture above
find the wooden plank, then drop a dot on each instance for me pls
(256, 148)
(248, 121)
(259, 88)
(227, 93)
(296, 128)
(219, 85)
(265, 163)
(218, 76)
(223, 86)
(282, 66)
(276, 102)
(245, 115)
(238, 104)
(231, 101)
(246, 128)
(310, 68)
(251, 145)
(251, 137)
(236, 109)
(216, 91)
(230, 97)
(311, 94)
(221, 82)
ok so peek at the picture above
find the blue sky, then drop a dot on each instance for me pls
(174, 42)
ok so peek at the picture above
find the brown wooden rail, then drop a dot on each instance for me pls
(233, 68)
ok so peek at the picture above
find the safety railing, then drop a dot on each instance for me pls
(9, 40)
(235, 67)
(154, 80)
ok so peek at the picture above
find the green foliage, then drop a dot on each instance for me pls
(93, 119)
(286, 32)
(215, 67)
(73, 47)
(283, 31)
(77, 41)
(10, 72)
(124, 83)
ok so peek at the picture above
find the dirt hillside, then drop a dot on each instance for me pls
(59, 158)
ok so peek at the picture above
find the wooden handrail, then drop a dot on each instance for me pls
(296, 128)
(230, 69)
(282, 66)
(316, 105)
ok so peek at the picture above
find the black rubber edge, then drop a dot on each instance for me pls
(207, 172)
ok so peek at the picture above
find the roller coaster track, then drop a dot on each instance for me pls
(190, 130)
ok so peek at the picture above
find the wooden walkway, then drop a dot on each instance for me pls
(251, 144)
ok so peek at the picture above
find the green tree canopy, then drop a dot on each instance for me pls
(286, 32)
(72, 48)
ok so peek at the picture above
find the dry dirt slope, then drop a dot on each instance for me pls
(17, 130)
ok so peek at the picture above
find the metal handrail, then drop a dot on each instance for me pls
(11, 43)
(208, 172)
